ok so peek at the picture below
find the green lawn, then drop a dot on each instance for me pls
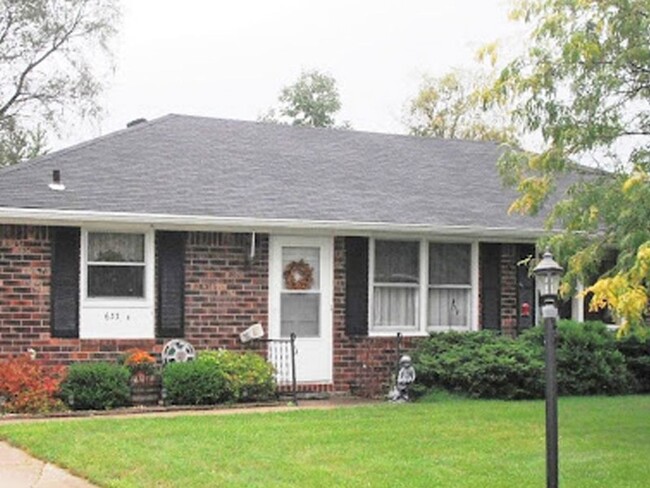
(457, 443)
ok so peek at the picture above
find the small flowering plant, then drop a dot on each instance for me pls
(29, 386)
(140, 362)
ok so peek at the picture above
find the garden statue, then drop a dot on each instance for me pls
(405, 377)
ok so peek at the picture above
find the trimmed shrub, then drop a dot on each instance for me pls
(478, 364)
(486, 365)
(96, 386)
(195, 383)
(28, 386)
(636, 350)
(588, 362)
(249, 377)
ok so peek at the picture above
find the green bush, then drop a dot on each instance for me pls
(487, 365)
(195, 383)
(478, 364)
(588, 362)
(96, 386)
(249, 377)
(636, 349)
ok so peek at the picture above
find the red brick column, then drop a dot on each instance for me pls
(509, 303)
(24, 287)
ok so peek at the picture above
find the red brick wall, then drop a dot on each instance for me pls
(225, 291)
(509, 299)
(365, 364)
(25, 266)
(24, 287)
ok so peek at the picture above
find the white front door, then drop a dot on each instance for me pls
(300, 298)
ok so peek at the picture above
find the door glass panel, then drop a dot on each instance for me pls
(300, 314)
(300, 295)
(300, 268)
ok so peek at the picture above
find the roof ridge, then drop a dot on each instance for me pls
(44, 157)
(335, 129)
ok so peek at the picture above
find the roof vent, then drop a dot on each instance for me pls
(135, 122)
(56, 181)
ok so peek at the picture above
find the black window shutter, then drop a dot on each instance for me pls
(170, 247)
(64, 288)
(490, 259)
(356, 286)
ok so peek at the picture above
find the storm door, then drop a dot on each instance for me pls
(300, 291)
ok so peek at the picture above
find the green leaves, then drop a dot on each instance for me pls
(453, 106)
(583, 84)
(313, 100)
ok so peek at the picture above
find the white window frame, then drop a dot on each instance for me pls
(422, 327)
(139, 310)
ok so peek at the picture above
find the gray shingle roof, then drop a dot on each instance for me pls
(182, 165)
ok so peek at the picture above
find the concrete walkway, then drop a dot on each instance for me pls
(20, 470)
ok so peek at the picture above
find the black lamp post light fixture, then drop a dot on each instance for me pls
(547, 275)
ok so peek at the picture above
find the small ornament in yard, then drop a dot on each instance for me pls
(178, 351)
(298, 275)
(405, 378)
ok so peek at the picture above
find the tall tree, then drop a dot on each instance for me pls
(583, 83)
(451, 107)
(48, 67)
(313, 100)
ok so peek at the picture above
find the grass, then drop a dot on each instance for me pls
(604, 441)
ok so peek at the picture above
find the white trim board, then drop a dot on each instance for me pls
(288, 226)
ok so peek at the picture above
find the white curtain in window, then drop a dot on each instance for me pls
(115, 247)
(449, 307)
(395, 306)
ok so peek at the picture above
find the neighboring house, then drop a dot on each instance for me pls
(198, 228)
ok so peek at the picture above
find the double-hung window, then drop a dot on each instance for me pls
(396, 285)
(117, 284)
(116, 265)
(421, 286)
(450, 285)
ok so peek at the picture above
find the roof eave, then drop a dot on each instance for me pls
(51, 217)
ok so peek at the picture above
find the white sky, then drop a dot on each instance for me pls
(230, 59)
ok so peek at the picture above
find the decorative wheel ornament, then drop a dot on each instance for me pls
(298, 275)
(178, 351)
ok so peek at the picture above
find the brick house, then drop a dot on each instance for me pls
(196, 228)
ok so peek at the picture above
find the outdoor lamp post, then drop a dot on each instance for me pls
(547, 274)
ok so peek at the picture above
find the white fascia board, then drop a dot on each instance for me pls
(50, 217)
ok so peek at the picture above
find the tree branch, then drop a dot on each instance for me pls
(34, 64)
(5, 32)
